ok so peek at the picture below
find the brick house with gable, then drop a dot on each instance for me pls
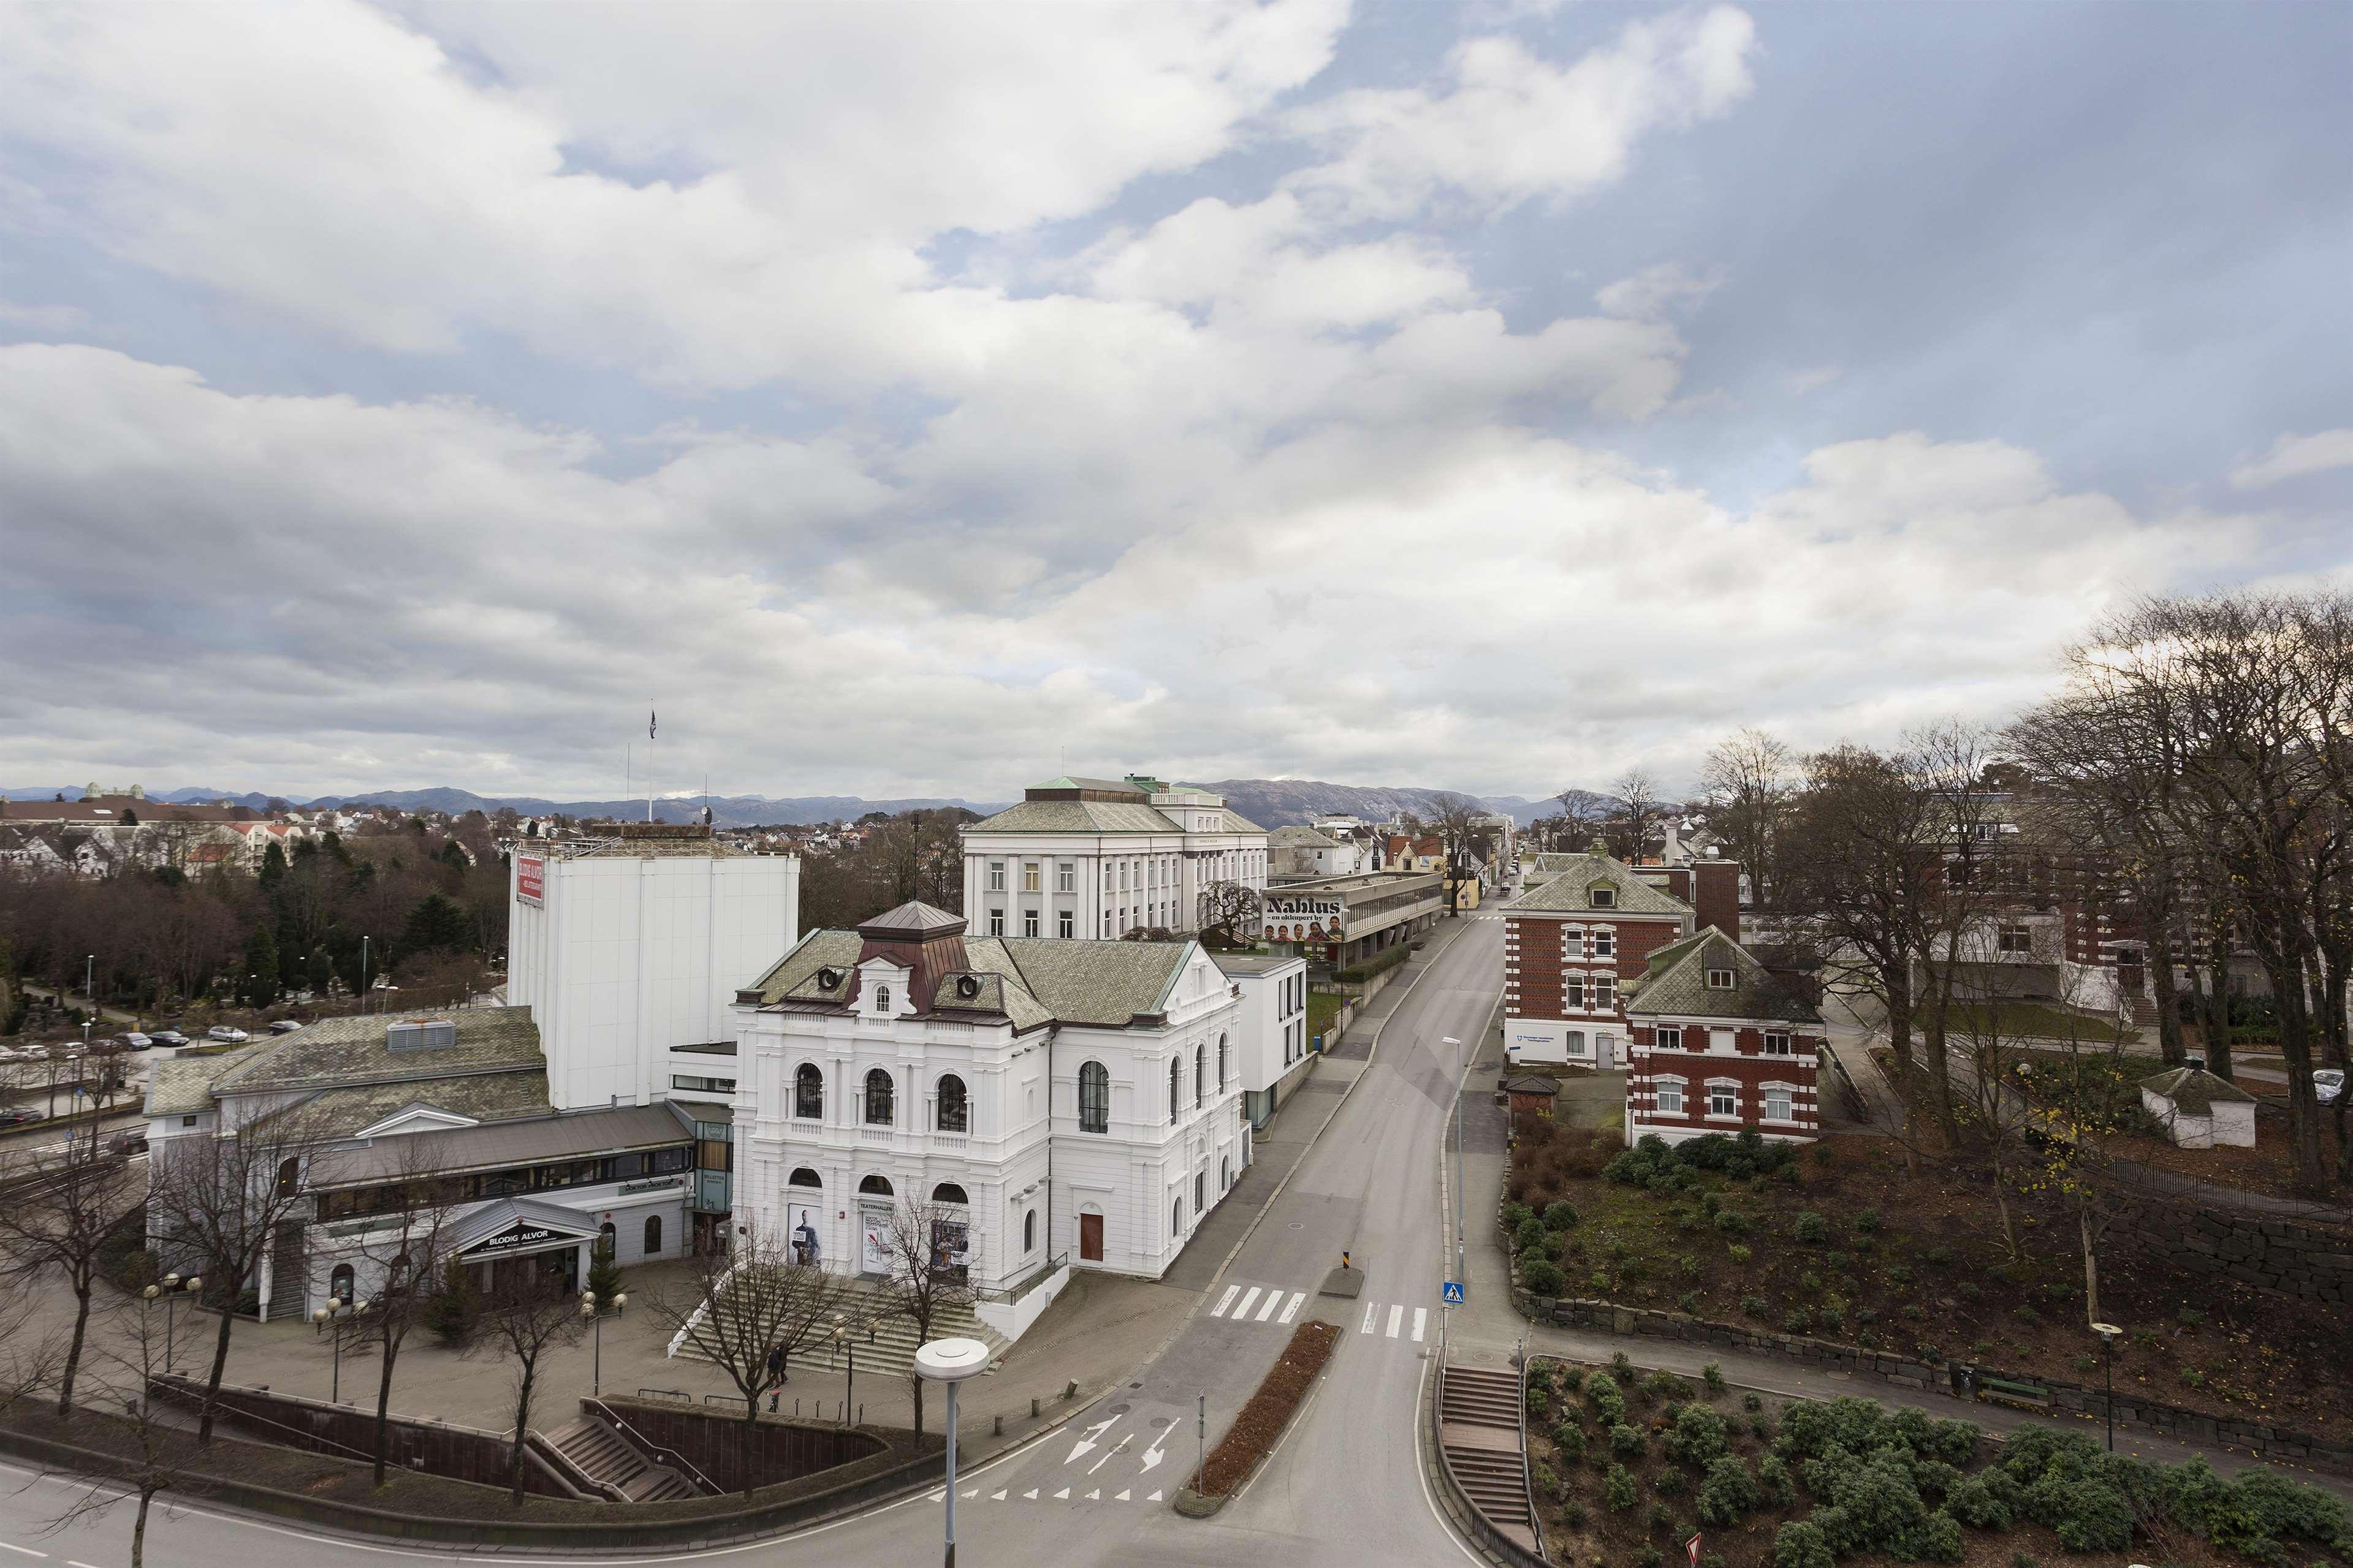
(1571, 944)
(1718, 1044)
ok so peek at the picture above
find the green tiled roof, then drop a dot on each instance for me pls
(1675, 985)
(182, 1086)
(1099, 982)
(335, 1051)
(1002, 986)
(1568, 889)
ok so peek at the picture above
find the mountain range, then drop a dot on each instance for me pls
(1270, 802)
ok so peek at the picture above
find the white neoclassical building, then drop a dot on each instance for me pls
(1072, 1102)
(1100, 857)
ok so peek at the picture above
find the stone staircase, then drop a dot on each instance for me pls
(604, 1456)
(1478, 1436)
(885, 1345)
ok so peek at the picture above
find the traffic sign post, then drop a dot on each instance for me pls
(1453, 1294)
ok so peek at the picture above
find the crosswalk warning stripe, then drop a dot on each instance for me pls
(1291, 1311)
(1225, 1300)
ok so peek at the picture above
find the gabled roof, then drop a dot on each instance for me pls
(496, 1145)
(338, 1051)
(1104, 983)
(1675, 985)
(2196, 1090)
(794, 976)
(1576, 875)
(1076, 817)
(1299, 838)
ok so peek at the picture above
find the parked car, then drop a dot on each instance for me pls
(10, 1053)
(122, 1145)
(285, 1026)
(2327, 1085)
(169, 1038)
(227, 1032)
(21, 1115)
(135, 1041)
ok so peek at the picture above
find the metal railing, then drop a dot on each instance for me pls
(653, 1452)
(665, 1394)
(702, 1310)
(569, 1470)
(1007, 1295)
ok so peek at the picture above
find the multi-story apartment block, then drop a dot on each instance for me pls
(1718, 1044)
(1050, 1102)
(1100, 858)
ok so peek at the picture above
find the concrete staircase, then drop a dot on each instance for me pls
(1478, 1436)
(606, 1457)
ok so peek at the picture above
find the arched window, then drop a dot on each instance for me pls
(339, 1283)
(949, 1192)
(289, 1177)
(882, 998)
(881, 1098)
(808, 1092)
(1030, 1231)
(878, 1186)
(1200, 1078)
(803, 1176)
(1224, 1175)
(653, 1235)
(1176, 1218)
(1221, 1062)
(1176, 1084)
(1094, 1097)
(956, 1111)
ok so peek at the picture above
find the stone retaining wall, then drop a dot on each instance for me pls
(2283, 1256)
(2186, 1425)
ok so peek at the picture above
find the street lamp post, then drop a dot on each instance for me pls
(842, 1337)
(951, 1361)
(2108, 1332)
(338, 1311)
(590, 1310)
(169, 1289)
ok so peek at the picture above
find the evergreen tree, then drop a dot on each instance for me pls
(273, 868)
(259, 988)
(604, 1275)
(435, 925)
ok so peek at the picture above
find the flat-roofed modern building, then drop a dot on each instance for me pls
(1344, 921)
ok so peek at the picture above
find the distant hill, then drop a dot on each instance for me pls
(1285, 803)
(727, 811)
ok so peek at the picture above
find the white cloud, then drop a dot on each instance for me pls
(2293, 457)
(57, 318)
(1513, 126)
(1814, 380)
(1656, 290)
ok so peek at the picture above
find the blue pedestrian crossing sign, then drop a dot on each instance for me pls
(1453, 1294)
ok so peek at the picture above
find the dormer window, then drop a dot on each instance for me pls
(1719, 980)
(1602, 898)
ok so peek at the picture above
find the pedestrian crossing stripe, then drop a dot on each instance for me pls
(1248, 1301)
(1258, 1304)
(1291, 1311)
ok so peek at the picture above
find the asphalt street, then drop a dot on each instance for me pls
(1346, 1486)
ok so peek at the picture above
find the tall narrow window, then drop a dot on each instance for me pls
(996, 876)
(1028, 875)
(1028, 923)
(1776, 1102)
(1200, 1078)
(1030, 1231)
(653, 1235)
(1065, 877)
(881, 1098)
(1063, 923)
(955, 1112)
(1094, 1097)
(1605, 993)
(1723, 1100)
(882, 998)
(1221, 1062)
(1604, 944)
(808, 1092)
(1176, 1084)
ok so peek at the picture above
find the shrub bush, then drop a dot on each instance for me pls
(1603, 1397)
(1530, 1233)
(1650, 1556)
(1755, 1306)
(1775, 1484)
(1541, 1477)
(1802, 1544)
(1665, 1385)
(1542, 1277)
(1560, 1215)
(1688, 1265)
(1711, 1374)
(1812, 1228)
(1572, 1513)
(1568, 1437)
(1626, 1441)
(1732, 1222)
(1621, 1365)
(1619, 1492)
(1667, 1482)
(1989, 1500)
(1699, 1436)
(1600, 1281)
(1751, 1401)
(1660, 1518)
(1516, 1215)
(1867, 1222)
(1728, 1492)
(1572, 1378)
(1539, 1401)
(1738, 1252)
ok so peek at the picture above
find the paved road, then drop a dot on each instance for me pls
(1345, 1488)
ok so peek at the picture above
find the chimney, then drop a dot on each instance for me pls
(1715, 895)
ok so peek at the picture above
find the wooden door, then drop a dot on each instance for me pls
(1091, 1238)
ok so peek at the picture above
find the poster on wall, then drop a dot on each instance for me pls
(530, 878)
(801, 1232)
(875, 1232)
(950, 1247)
(1303, 919)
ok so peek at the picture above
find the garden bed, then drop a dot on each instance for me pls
(1838, 1240)
(1627, 1469)
(1259, 1425)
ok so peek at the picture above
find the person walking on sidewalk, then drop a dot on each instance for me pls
(778, 1375)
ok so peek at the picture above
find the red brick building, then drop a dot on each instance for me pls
(1587, 928)
(1718, 1044)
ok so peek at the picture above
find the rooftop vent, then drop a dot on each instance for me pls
(420, 1035)
(828, 978)
(967, 986)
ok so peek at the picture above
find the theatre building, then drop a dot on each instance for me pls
(1051, 1104)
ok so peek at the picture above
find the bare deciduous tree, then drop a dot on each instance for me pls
(1230, 915)
(527, 1313)
(1639, 808)
(58, 1218)
(1748, 780)
(1455, 819)
(757, 1302)
(147, 1465)
(927, 1275)
(409, 1251)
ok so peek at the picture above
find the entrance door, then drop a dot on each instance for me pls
(1091, 1238)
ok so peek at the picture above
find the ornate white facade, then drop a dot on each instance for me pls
(1076, 1101)
(1100, 857)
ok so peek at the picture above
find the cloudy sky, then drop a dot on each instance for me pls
(904, 399)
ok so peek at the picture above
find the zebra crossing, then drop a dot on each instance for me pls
(1250, 1305)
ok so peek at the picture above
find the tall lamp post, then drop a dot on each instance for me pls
(169, 1289)
(842, 1337)
(951, 1361)
(593, 1313)
(338, 1311)
(2108, 1332)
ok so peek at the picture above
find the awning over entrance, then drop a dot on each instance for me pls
(513, 1228)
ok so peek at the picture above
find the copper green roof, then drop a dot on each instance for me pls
(1674, 985)
(1570, 889)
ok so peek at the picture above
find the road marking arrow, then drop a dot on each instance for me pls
(1116, 1449)
(1153, 1455)
(1087, 1443)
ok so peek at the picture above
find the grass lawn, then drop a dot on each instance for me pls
(1321, 1008)
(1914, 1261)
(1627, 1468)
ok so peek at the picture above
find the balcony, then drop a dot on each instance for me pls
(950, 1143)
